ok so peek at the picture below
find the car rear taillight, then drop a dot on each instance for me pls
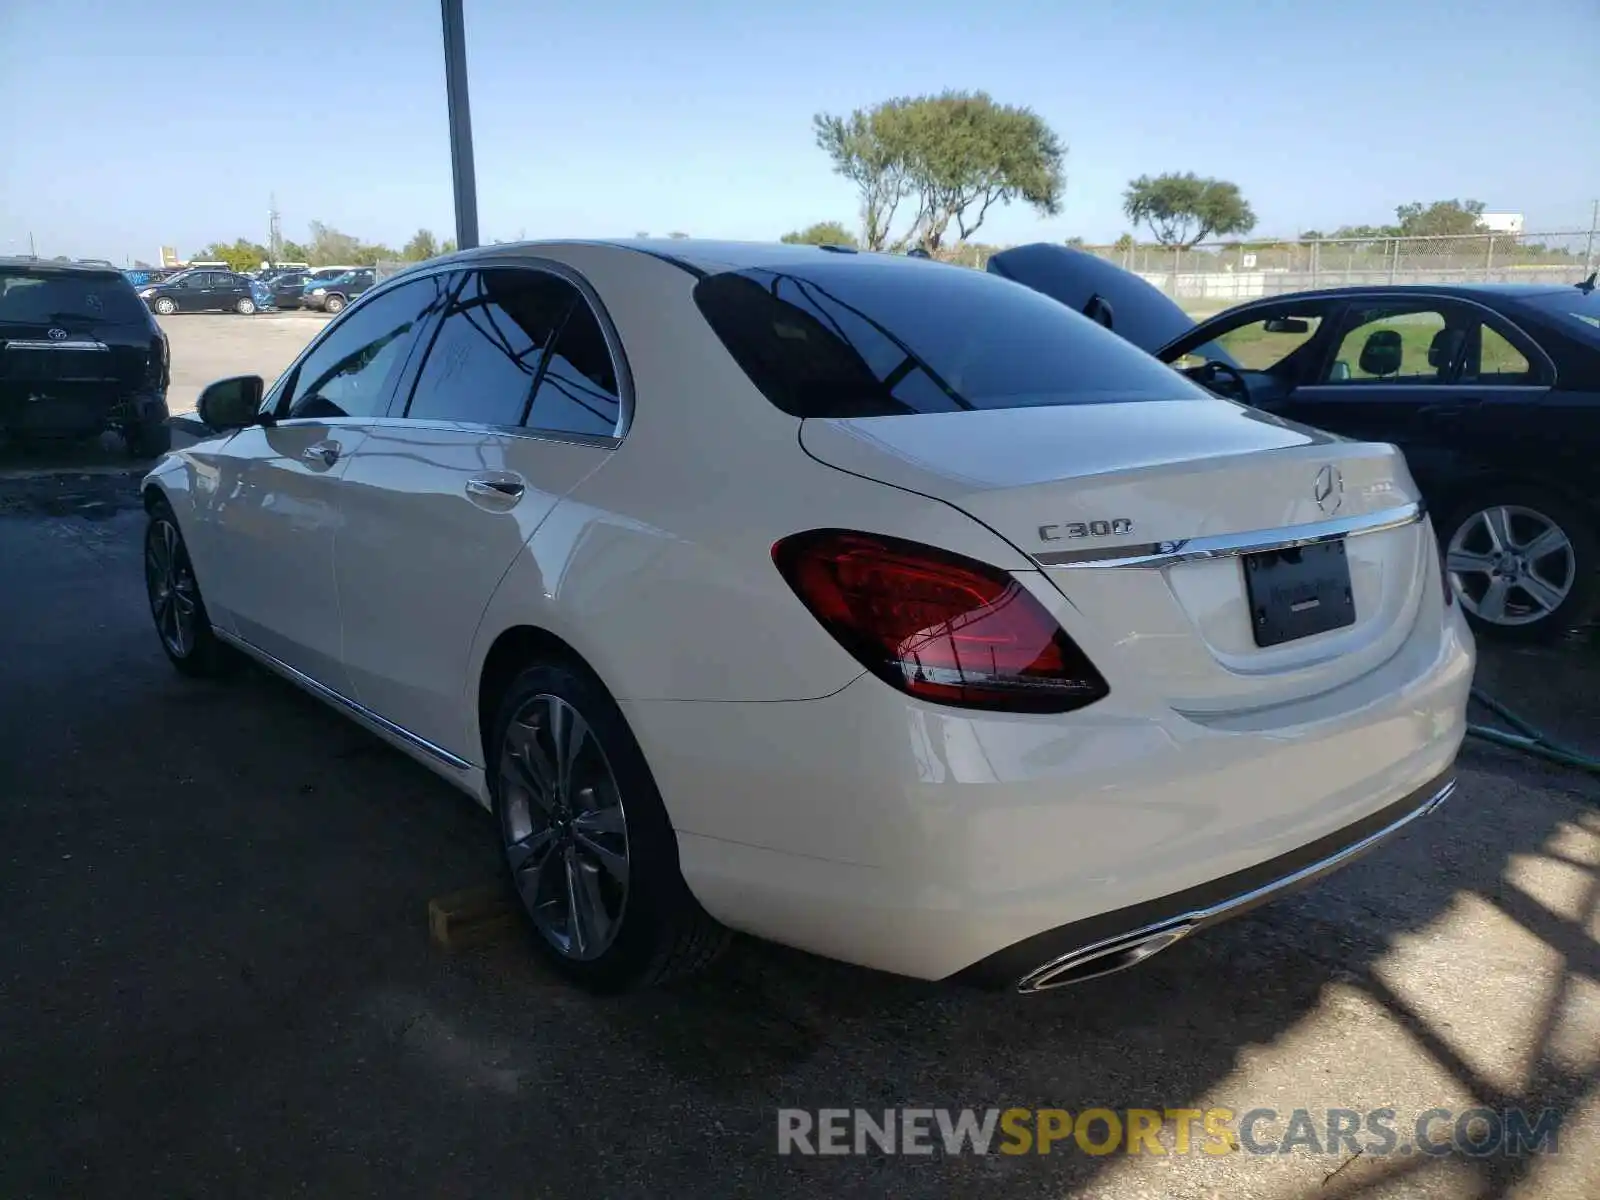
(937, 625)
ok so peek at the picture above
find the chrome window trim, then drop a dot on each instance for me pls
(340, 700)
(598, 440)
(486, 261)
(1152, 555)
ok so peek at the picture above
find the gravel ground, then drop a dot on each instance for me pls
(216, 977)
(210, 346)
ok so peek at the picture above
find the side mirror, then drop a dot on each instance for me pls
(1340, 372)
(232, 403)
(1287, 325)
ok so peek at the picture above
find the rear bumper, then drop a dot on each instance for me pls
(1115, 941)
(80, 410)
(934, 843)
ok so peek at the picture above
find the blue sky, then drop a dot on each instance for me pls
(127, 125)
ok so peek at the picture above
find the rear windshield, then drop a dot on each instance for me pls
(1579, 309)
(82, 297)
(868, 338)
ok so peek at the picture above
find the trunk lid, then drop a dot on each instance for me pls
(1127, 304)
(1177, 487)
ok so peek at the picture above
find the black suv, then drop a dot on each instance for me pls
(79, 354)
(203, 289)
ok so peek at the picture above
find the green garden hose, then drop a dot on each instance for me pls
(1527, 738)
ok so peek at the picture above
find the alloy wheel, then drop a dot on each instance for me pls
(1511, 565)
(564, 828)
(174, 595)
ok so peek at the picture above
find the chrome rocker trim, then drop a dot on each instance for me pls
(339, 699)
(1165, 554)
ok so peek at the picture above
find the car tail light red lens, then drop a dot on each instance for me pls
(937, 625)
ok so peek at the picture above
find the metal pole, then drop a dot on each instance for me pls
(463, 174)
(1588, 249)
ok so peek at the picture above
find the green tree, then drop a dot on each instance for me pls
(969, 153)
(1124, 243)
(423, 245)
(1077, 243)
(958, 153)
(677, 235)
(869, 149)
(1442, 218)
(295, 252)
(1182, 209)
(241, 255)
(330, 248)
(823, 233)
(449, 246)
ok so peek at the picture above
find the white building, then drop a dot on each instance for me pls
(1502, 222)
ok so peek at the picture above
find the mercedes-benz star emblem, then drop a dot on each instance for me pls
(1328, 490)
(58, 335)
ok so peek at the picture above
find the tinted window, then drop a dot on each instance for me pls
(484, 360)
(865, 337)
(1398, 344)
(1578, 309)
(578, 393)
(351, 371)
(40, 297)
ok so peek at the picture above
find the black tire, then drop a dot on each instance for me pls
(202, 655)
(1528, 505)
(245, 308)
(165, 306)
(147, 439)
(660, 932)
(333, 305)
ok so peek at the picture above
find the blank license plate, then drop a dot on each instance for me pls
(1298, 592)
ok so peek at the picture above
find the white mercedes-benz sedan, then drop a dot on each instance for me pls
(879, 607)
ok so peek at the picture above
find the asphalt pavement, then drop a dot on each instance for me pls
(216, 977)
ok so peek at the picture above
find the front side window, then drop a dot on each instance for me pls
(487, 354)
(864, 338)
(1265, 345)
(351, 372)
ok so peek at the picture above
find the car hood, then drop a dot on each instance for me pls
(1126, 304)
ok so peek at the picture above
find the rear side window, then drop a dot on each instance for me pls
(868, 338)
(68, 298)
(487, 354)
(578, 393)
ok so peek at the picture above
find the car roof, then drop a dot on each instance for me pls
(702, 256)
(1467, 291)
(23, 262)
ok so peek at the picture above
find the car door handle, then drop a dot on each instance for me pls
(1450, 408)
(497, 491)
(323, 454)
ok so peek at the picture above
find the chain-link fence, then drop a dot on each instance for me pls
(1229, 272)
(1219, 274)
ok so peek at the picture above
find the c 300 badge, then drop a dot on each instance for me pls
(1115, 527)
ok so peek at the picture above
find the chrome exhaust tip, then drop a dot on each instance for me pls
(1104, 958)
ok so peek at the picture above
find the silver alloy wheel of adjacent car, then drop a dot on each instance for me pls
(334, 304)
(169, 580)
(1511, 565)
(166, 306)
(564, 828)
(245, 307)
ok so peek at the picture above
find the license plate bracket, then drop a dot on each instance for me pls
(1298, 592)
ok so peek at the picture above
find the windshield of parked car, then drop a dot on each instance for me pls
(41, 297)
(866, 338)
(1578, 310)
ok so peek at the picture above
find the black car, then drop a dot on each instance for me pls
(79, 354)
(286, 288)
(332, 295)
(1492, 391)
(201, 290)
